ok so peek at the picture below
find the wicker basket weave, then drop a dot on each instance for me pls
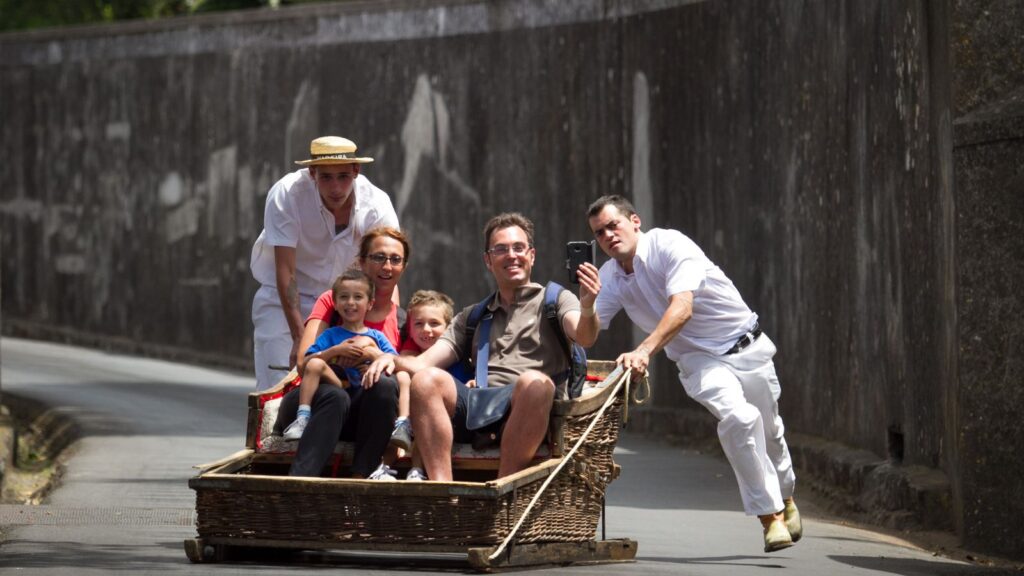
(233, 504)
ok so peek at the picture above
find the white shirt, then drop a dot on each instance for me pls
(667, 263)
(296, 217)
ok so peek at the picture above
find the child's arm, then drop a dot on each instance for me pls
(346, 353)
(353, 351)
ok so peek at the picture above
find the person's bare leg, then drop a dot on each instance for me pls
(404, 382)
(527, 421)
(393, 453)
(432, 404)
(311, 379)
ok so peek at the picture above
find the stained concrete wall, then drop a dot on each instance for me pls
(805, 145)
(988, 52)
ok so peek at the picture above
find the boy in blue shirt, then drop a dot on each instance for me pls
(353, 297)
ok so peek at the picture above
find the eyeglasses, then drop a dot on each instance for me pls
(505, 249)
(380, 258)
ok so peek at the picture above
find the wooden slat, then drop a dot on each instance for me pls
(592, 552)
(252, 423)
(224, 479)
(556, 435)
(600, 368)
(242, 456)
(346, 486)
(506, 484)
(328, 545)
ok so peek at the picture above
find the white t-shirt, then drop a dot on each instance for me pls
(668, 263)
(296, 217)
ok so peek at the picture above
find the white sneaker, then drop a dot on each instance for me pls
(416, 475)
(385, 473)
(295, 429)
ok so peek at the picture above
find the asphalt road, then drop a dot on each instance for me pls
(125, 507)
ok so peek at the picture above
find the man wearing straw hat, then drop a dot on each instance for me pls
(313, 221)
(688, 306)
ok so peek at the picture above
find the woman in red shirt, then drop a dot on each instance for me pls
(383, 255)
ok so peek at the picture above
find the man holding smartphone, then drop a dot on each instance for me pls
(523, 351)
(687, 305)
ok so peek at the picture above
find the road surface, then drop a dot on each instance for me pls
(125, 507)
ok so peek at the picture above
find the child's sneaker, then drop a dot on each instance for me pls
(416, 475)
(401, 436)
(384, 472)
(295, 429)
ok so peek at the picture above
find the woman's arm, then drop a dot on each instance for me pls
(313, 329)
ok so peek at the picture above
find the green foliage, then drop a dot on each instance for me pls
(28, 14)
(220, 5)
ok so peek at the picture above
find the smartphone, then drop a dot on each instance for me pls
(577, 252)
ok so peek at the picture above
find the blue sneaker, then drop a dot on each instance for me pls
(401, 436)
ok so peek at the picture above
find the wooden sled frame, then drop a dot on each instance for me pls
(239, 511)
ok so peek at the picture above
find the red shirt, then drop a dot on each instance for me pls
(410, 344)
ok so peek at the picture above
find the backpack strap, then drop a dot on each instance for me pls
(472, 321)
(483, 350)
(551, 293)
(575, 376)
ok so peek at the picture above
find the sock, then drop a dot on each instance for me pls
(400, 420)
(304, 412)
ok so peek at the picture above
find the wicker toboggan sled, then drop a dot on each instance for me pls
(545, 514)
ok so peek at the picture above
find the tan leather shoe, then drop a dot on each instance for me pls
(793, 523)
(776, 536)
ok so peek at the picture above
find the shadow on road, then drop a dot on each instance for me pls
(914, 567)
(126, 558)
(752, 561)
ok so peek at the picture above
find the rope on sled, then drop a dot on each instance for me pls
(565, 460)
(634, 395)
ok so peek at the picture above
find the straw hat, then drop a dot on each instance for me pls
(332, 150)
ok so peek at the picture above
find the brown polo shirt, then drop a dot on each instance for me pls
(521, 338)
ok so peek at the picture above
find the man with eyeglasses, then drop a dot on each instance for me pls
(524, 351)
(687, 305)
(313, 221)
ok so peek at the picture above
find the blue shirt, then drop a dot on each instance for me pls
(336, 335)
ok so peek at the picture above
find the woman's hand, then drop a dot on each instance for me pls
(348, 354)
(383, 366)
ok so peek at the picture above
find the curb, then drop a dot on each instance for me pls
(8, 442)
(886, 493)
(53, 429)
(854, 482)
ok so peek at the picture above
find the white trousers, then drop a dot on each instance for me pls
(741, 390)
(271, 339)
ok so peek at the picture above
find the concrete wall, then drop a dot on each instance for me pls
(988, 51)
(805, 145)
